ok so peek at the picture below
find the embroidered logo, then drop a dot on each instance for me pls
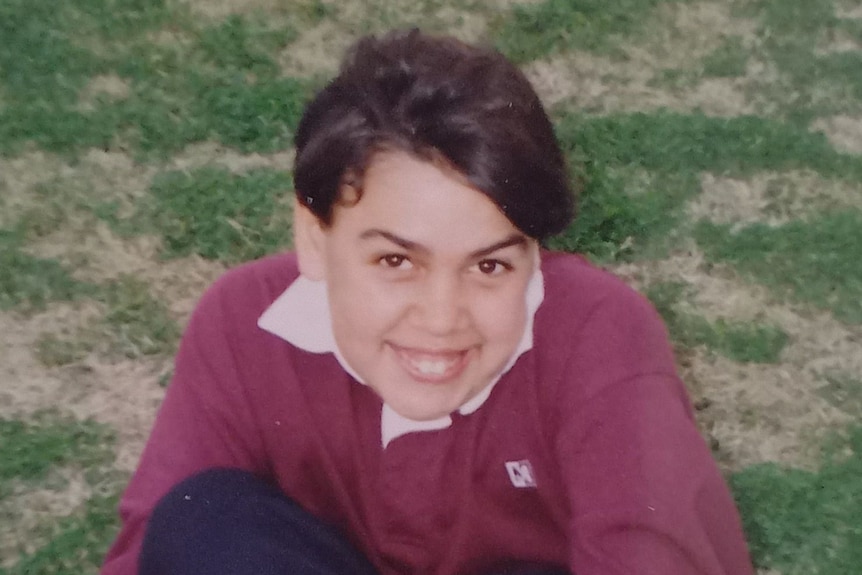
(521, 473)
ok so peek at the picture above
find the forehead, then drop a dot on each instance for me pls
(425, 201)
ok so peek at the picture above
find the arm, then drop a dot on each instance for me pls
(645, 494)
(205, 421)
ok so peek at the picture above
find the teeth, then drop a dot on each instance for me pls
(433, 367)
(430, 365)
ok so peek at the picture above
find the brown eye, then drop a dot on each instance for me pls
(394, 261)
(487, 266)
(492, 267)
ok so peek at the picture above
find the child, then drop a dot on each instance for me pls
(420, 388)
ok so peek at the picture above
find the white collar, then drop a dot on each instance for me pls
(301, 316)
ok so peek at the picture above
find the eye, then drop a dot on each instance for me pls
(492, 267)
(395, 261)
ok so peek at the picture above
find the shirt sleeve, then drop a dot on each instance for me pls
(205, 421)
(645, 494)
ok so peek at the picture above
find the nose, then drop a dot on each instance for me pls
(440, 308)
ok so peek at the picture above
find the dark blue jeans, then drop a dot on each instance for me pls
(228, 522)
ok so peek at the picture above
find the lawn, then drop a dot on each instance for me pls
(145, 146)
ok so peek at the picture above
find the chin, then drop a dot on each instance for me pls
(421, 413)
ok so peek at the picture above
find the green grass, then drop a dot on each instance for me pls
(217, 81)
(77, 543)
(219, 215)
(137, 323)
(814, 261)
(30, 448)
(48, 54)
(222, 83)
(729, 60)
(812, 84)
(795, 19)
(28, 283)
(625, 213)
(803, 522)
(744, 342)
(680, 143)
(54, 351)
(531, 31)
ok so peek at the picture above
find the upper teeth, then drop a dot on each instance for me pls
(433, 367)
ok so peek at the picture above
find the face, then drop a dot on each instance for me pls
(427, 282)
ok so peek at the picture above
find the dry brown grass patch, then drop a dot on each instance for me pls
(758, 412)
(28, 510)
(771, 198)
(677, 37)
(28, 386)
(19, 176)
(318, 50)
(604, 85)
(220, 9)
(851, 10)
(109, 86)
(124, 395)
(844, 132)
(214, 154)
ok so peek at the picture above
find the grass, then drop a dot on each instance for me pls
(48, 54)
(730, 60)
(220, 216)
(844, 391)
(805, 522)
(77, 544)
(532, 31)
(30, 448)
(54, 351)
(813, 82)
(184, 78)
(134, 325)
(137, 323)
(814, 261)
(625, 213)
(28, 283)
(213, 81)
(667, 141)
(744, 342)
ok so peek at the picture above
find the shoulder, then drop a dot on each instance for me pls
(577, 291)
(242, 293)
(595, 330)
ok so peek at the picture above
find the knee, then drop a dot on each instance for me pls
(197, 516)
(206, 496)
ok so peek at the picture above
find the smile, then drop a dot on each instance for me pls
(432, 366)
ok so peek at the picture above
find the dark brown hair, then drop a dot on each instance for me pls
(436, 98)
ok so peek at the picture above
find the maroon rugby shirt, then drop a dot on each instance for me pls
(585, 454)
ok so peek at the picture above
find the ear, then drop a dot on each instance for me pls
(309, 240)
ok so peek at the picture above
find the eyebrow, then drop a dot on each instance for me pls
(515, 239)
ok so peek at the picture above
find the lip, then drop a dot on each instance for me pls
(456, 362)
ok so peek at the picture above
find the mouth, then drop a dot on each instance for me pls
(432, 366)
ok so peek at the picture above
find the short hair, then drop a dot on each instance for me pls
(438, 99)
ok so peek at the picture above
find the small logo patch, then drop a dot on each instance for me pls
(521, 473)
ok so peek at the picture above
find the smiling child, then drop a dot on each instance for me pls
(421, 388)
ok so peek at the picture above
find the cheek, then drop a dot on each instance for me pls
(360, 308)
(501, 319)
